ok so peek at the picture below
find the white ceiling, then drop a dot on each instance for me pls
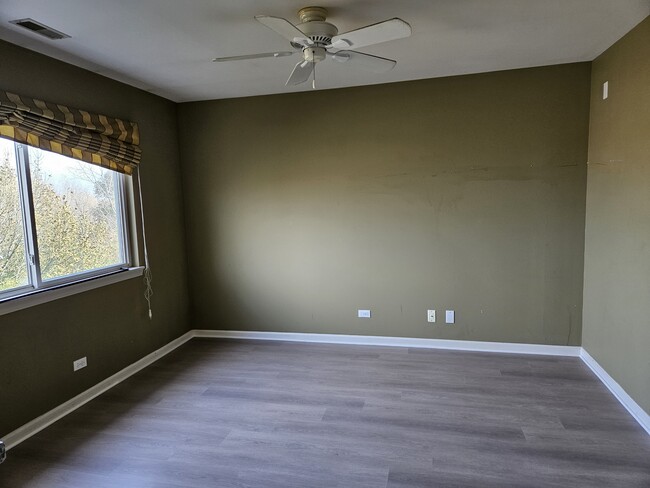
(166, 46)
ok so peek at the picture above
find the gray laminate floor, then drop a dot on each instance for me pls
(276, 415)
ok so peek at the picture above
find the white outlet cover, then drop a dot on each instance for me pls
(450, 317)
(606, 90)
(79, 363)
(431, 316)
(363, 314)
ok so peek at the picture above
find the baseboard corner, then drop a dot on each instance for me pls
(639, 414)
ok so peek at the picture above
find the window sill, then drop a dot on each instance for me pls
(37, 297)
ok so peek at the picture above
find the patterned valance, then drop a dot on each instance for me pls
(97, 139)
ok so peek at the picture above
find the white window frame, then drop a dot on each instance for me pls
(81, 280)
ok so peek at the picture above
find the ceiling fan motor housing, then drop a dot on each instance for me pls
(320, 32)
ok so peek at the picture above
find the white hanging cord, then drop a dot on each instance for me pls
(148, 290)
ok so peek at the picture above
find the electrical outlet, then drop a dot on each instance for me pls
(431, 316)
(363, 314)
(450, 317)
(79, 363)
(606, 90)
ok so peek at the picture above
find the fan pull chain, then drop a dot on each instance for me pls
(313, 81)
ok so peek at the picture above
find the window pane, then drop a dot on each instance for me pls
(13, 256)
(75, 207)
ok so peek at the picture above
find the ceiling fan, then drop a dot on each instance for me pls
(319, 40)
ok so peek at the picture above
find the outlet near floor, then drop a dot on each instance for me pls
(80, 363)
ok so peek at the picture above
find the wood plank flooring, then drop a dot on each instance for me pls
(249, 414)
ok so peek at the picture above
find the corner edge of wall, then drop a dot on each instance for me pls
(639, 414)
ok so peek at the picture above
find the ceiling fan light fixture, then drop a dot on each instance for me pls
(314, 54)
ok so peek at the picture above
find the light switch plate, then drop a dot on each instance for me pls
(450, 317)
(363, 314)
(431, 316)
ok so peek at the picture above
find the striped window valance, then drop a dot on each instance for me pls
(96, 139)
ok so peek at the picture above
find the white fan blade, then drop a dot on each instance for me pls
(387, 30)
(369, 62)
(277, 54)
(301, 73)
(285, 28)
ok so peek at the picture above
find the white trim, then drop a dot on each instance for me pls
(29, 429)
(52, 283)
(499, 347)
(38, 424)
(502, 347)
(38, 297)
(617, 390)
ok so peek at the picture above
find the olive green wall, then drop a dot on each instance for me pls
(108, 325)
(617, 248)
(463, 193)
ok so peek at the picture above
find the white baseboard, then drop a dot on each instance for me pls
(39, 423)
(501, 347)
(22, 433)
(478, 346)
(617, 390)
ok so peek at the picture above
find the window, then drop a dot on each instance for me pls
(61, 220)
